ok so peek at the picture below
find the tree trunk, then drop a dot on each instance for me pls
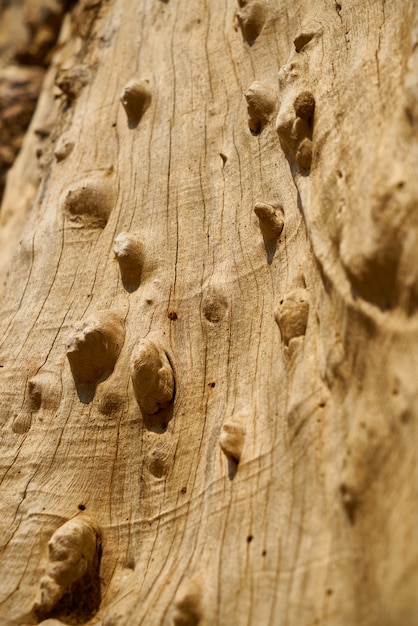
(208, 335)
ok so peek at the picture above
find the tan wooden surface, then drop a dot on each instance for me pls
(213, 420)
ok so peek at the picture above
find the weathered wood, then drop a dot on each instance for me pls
(238, 250)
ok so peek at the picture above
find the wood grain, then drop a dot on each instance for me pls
(296, 352)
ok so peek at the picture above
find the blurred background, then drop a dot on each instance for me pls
(29, 31)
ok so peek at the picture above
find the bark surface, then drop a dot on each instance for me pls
(208, 334)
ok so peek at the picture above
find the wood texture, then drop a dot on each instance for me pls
(234, 258)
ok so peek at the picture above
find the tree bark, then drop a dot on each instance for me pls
(208, 353)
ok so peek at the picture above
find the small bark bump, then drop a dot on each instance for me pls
(63, 148)
(214, 305)
(94, 346)
(89, 202)
(73, 559)
(304, 105)
(187, 606)
(292, 314)
(252, 17)
(22, 423)
(129, 253)
(152, 377)
(136, 98)
(232, 440)
(261, 104)
(71, 81)
(271, 220)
